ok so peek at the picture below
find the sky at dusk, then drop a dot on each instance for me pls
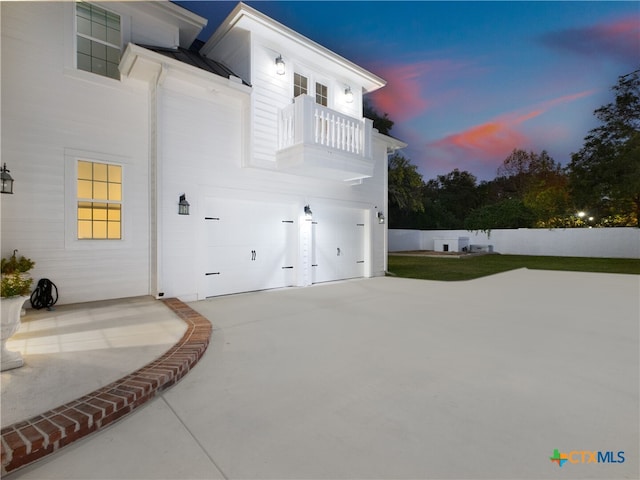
(467, 82)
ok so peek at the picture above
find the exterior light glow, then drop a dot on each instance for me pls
(279, 65)
(348, 95)
(381, 218)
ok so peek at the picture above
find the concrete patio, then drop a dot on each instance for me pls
(392, 378)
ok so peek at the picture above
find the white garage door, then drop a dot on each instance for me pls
(249, 246)
(338, 238)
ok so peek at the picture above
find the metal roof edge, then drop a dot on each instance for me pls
(133, 50)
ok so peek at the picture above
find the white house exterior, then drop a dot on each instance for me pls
(108, 119)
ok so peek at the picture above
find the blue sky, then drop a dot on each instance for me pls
(467, 82)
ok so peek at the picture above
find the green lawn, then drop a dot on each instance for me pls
(466, 268)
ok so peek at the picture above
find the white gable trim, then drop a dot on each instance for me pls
(267, 25)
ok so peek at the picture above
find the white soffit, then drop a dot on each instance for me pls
(189, 24)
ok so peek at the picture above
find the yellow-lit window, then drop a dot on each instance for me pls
(99, 201)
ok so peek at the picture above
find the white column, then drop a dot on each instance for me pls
(305, 277)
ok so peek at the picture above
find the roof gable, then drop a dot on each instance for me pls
(246, 17)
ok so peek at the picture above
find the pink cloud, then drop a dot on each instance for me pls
(618, 39)
(494, 140)
(404, 97)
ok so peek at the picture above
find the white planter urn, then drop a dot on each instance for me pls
(10, 309)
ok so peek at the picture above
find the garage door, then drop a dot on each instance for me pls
(338, 237)
(249, 246)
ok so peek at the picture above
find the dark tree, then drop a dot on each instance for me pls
(522, 171)
(453, 197)
(509, 213)
(382, 123)
(405, 192)
(605, 173)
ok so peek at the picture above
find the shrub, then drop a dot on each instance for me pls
(15, 276)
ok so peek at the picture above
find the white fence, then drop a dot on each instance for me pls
(571, 242)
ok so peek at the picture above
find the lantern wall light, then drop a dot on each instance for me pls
(280, 65)
(7, 181)
(348, 95)
(183, 205)
(381, 218)
(307, 211)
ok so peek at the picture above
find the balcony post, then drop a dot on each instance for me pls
(304, 122)
(368, 129)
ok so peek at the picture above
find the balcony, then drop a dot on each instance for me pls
(319, 142)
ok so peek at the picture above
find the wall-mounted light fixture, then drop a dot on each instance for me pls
(381, 218)
(307, 211)
(279, 65)
(348, 94)
(7, 181)
(183, 205)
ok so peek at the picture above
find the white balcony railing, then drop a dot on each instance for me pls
(306, 122)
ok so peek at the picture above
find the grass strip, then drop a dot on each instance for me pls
(470, 267)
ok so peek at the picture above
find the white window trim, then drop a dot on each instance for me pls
(312, 79)
(293, 83)
(326, 85)
(71, 45)
(72, 242)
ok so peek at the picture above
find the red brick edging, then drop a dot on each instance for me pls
(30, 440)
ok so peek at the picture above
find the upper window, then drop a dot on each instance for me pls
(99, 201)
(300, 85)
(98, 40)
(321, 94)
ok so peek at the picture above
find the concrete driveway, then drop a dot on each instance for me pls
(395, 378)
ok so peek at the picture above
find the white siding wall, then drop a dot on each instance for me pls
(271, 93)
(202, 137)
(47, 110)
(51, 113)
(252, 57)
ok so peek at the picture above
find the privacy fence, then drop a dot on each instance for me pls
(570, 242)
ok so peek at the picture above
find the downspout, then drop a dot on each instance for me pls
(155, 183)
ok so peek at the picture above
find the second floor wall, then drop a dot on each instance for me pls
(253, 46)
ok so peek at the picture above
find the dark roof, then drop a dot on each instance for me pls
(194, 59)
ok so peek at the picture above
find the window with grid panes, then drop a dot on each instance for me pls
(98, 40)
(300, 85)
(321, 94)
(99, 201)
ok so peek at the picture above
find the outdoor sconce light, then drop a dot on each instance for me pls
(7, 181)
(279, 65)
(381, 218)
(183, 205)
(307, 211)
(348, 95)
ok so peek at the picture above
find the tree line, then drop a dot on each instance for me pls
(599, 187)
